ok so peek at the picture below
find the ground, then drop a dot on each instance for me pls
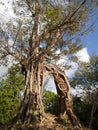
(50, 122)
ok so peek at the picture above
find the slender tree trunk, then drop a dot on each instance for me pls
(94, 108)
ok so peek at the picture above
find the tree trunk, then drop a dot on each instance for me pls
(94, 108)
(32, 101)
(32, 105)
(65, 97)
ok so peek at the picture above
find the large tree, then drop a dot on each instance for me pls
(42, 32)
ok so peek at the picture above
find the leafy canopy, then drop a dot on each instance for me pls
(86, 75)
(59, 27)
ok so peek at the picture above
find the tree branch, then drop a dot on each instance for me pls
(17, 35)
(53, 43)
(66, 21)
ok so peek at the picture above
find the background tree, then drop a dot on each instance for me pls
(40, 29)
(86, 75)
(50, 100)
(11, 90)
(86, 79)
(83, 107)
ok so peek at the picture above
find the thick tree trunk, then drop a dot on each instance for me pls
(32, 100)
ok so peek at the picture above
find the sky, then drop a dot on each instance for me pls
(90, 41)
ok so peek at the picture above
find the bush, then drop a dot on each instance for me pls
(50, 101)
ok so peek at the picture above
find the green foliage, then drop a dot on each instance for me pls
(82, 108)
(86, 78)
(10, 94)
(53, 15)
(86, 75)
(50, 101)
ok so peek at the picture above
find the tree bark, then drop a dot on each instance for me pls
(94, 108)
(32, 104)
(32, 100)
(65, 97)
